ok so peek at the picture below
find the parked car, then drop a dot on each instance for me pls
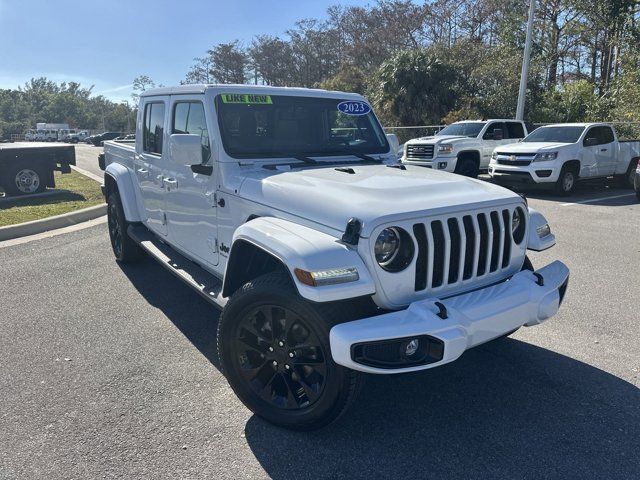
(28, 168)
(286, 207)
(78, 137)
(463, 147)
(561, 155)
(99, 140)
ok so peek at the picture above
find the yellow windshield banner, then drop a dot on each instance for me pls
(246, 98)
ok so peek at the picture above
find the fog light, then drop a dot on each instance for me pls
(412, 347)
(442, 165)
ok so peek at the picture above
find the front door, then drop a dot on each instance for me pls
(191, 191)
(150, 164)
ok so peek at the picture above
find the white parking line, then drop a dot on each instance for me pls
(592, 200)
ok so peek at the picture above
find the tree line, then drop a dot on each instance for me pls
(443, 60)
(419, 63)
(42, 100)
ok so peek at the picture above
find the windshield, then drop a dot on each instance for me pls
(271, 126)
(555, 134)
(467, 129)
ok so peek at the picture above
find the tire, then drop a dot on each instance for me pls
(299, 388)
(566, 183)
(467, 167)
(25, 181)
(124, 248)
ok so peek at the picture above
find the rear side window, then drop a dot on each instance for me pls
(514, 130)
(153, 130)
(489, 134)
(604, 135)
(188, 117)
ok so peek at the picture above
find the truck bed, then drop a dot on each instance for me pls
(61, 154)
(119, 152)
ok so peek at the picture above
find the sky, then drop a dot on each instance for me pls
(107, 43)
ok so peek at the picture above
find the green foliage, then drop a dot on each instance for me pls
(348, 79)
(414, 88)
(41, 100)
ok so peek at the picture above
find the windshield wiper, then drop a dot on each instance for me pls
(366, 157)
(307, 160)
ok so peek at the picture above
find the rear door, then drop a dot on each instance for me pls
(607, 151)
(150, 162)
(191, 191)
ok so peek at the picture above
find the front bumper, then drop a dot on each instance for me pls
(471, 319)
(535, 173)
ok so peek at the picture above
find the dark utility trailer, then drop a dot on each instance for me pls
(28, 168)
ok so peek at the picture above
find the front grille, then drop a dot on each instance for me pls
(419, 152)
(518, 163)
(461, 248)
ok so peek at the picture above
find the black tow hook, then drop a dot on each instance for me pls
(443, 310)
(539, 279)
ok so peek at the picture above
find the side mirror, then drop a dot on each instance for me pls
(497, 134)
(185, 149)
(394, 143)
(590, 141)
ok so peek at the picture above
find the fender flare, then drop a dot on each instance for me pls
(297, 246)
(534, 242)
(121, 175)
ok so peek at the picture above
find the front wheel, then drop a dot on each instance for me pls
(274, 350)
(566, 183)
(467, 168)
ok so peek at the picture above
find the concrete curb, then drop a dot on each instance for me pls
(51, 223)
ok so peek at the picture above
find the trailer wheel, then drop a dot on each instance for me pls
(25, 181)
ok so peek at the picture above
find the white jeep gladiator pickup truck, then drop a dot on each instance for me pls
(561, 155)
(463, 147)
(286, 208)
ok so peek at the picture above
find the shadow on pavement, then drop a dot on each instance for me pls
(192, 315)
(506, 409)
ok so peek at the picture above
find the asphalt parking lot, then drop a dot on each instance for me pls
(110, 371)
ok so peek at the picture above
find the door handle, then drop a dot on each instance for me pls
(144, 171)
(604, 149)
(172, 182)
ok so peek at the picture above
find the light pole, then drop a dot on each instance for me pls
(525, 63)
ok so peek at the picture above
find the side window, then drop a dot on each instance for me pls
(514, 130)
(606, 135)
(489, 134)
(188, 117)
(153, 129)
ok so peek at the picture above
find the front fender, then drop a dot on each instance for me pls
(122, 176)
(534, 242)
(302, 247)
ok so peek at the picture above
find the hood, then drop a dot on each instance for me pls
(436, 139)
(374, 194)
(530, 147)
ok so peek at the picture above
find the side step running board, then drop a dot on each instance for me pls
(203, 282)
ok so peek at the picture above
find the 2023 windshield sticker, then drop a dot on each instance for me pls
(354, 107)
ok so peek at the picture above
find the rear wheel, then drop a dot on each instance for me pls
(566, 183)
(124, 248)
(627, 180)
(274, 350)
(25, 181)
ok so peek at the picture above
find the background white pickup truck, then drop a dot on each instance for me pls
(463, 147)
(561, 155)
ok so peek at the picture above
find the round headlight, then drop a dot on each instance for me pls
(394, 249)
(387, 245)
(518, 225)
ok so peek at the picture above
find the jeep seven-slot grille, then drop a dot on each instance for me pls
(419, 152)
(456, 249)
